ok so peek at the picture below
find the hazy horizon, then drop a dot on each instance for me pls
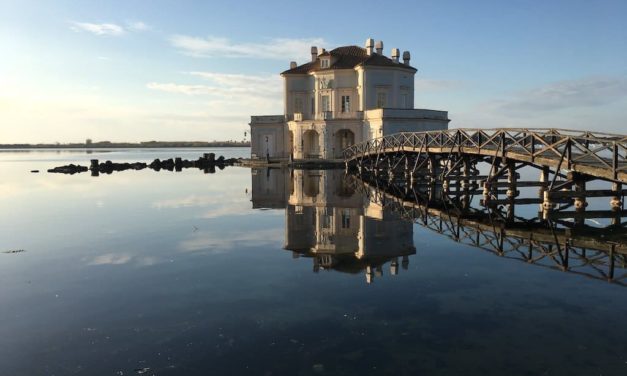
(191, 70)
(113, 141)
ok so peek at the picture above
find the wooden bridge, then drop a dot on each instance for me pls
(566, 159)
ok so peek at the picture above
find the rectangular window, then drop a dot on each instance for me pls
(313, 106)
(324, 63)
(298, 105)
(326, 217)
(404, 101)
(326, 103)
(346, 218)
(346, 103)
(381, 99)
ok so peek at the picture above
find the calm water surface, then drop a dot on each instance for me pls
(264, 273)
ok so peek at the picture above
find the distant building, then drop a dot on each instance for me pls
(339, 98)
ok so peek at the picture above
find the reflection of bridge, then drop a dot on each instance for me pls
(442, 155)
(567, 246)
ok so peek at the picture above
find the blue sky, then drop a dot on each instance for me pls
(187, 70)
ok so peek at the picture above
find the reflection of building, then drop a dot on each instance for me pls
(333, 224)
(268, 190)
(343, 96)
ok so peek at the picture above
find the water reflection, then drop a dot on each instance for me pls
(351, 225)
(333, 223)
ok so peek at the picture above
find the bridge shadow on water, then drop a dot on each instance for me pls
(362, 224)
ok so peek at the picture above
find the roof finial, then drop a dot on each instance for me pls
(379, 47)
(406, 57)
(369, 46)
(314, 53)
(396, 53)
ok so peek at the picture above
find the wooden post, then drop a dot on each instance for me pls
(511, 180)
(394, 266)
(547, 204)
(579, 187)
(616, 202)
(544, 178)
(465, 186)
(543, 192)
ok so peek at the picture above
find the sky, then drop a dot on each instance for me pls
(134, 70)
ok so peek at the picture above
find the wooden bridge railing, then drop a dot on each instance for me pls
(594, 151)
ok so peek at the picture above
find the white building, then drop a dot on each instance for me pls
(341, 97)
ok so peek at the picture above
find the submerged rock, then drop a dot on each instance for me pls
(208, 163)
(14, 251)
(68, 169)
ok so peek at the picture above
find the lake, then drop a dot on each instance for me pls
(275, 272)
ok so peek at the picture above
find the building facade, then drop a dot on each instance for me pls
(339, 98)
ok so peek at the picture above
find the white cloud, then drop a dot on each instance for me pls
(578, 93)
(123, 259)
(138, 26)
(180, 89)
(220, 242)
(98, 29)
(111, 259)
(277, 48)
(223, 85)
(110, 29)
(268, 82)
(230, 95)
(194, 201)
(585, 103)
(424, 84)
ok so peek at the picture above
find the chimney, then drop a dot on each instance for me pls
(406, 57)
(369, 46)
(396, 53)
(379, 47)
(293, 64)
(314, 53)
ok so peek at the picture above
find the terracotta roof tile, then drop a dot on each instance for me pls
(348, 57)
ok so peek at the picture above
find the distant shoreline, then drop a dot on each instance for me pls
(130, 145)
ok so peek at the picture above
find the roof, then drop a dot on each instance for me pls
(348, 57)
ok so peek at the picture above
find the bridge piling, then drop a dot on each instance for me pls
(616, 202)
(579, 186)
(512, 178)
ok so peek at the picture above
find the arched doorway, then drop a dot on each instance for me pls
(311, 144)
(343, 139)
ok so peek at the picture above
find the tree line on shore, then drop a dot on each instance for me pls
(88, 144)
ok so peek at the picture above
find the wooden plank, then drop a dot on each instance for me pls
(587, 214)
(588, 193)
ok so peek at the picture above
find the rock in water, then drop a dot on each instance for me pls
(68, 169)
